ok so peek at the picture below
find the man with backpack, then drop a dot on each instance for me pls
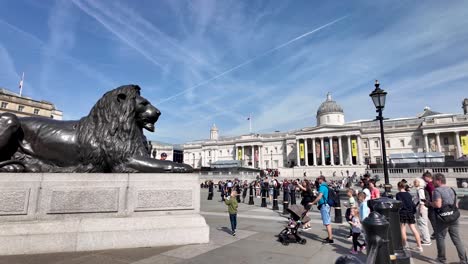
(324, 207)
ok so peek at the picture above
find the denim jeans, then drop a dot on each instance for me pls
(454, 232)
(233, 218)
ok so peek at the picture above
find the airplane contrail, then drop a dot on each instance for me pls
(250, 60)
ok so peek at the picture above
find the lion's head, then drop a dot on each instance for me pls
(114, 127)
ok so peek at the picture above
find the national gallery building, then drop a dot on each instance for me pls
(335, 146)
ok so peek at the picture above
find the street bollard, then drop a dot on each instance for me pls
(275, 199)
(338, 215)
(376, 228)
(251, 198)
(264, 194)
(390, 209)
(285, 202)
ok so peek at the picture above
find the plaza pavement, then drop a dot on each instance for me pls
(255, 243)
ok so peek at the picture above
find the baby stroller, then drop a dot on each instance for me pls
(289, 233)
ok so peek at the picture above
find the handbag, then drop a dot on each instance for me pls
(449, 213)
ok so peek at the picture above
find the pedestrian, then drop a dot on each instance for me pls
(292, 192)
(421, 212)
(374, 191)
(351, 203)
(322, 201)
(245, 186)
(407, 217)
(210, 190)
(232, 204)
(306, 193)
(356, 228)
(446, 196)
(429, 190)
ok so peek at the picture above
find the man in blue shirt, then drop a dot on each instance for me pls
(322, 200)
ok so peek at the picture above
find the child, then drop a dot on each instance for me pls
(356, 227)
(232, 204)
(351, 204)
(363, 208)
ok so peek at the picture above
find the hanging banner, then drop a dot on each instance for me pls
(301, 151)
(354, 147)
(464, 144)
(256, 155)
(335, 148)
(327, 149)
(239, 154)
(318, 151)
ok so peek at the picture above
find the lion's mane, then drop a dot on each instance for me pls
(111, 133)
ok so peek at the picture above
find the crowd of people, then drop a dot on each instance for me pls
(419, 207)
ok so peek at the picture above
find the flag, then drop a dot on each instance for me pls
(464, 144)
(21, 84)
(301, 151)
(354, 149)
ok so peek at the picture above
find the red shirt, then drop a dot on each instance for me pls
(374, 193)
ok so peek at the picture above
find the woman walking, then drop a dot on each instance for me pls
(307, 198)
(407, 212)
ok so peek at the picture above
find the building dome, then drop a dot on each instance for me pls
(330, 113)
(329, 106)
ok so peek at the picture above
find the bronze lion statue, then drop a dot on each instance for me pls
(109, 139)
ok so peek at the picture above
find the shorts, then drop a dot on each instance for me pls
(325, 213)
(407, 218)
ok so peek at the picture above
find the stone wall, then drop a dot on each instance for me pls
(55, 212)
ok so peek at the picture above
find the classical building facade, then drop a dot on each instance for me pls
(335, 145)
(25, 106)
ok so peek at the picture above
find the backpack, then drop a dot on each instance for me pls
(332, 197)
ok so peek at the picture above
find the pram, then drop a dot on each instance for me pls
(297, 219)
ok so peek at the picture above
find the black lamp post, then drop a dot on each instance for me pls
(378, 97)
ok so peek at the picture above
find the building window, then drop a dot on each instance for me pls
(402, 142)
(378, 160)
(4, 105)
(446, 141)
(365, 144)
(276, 149)
(376, 143)
(209, 153)
(266, 150)
(328, 119)
(20, 108)
(221, 152)
(416, 141)
(36, 111)
(387, 143)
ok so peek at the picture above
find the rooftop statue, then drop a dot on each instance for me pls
(109, 139)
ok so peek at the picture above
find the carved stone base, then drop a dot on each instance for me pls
(41, 213)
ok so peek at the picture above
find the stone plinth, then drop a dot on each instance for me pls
(60, 212)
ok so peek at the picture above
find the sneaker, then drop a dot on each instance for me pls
(433, 237)
(234, 233)
(419, 249)
(353, 252)
(426, 243)
(362, 248)
(349, 238)
(328, 241)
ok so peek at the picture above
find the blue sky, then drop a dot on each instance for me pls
(205, 62)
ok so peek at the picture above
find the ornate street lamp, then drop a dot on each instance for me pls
(378, 97)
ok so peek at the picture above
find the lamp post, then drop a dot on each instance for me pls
(378, 97)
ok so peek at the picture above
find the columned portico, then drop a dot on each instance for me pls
(359, 146)
(298, 154)
(332, 159)
(306, 152)
(426, 143)
(439, 148)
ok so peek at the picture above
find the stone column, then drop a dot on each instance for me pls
(322, 152)
(359, 145)
(314, 151)
(297, 153)
(426, 143)
(243, 156)
(350, 153)
(457, 140)
(332, 159)
(341, 150)
(260, 157)
(439, 148)
(306, 156)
